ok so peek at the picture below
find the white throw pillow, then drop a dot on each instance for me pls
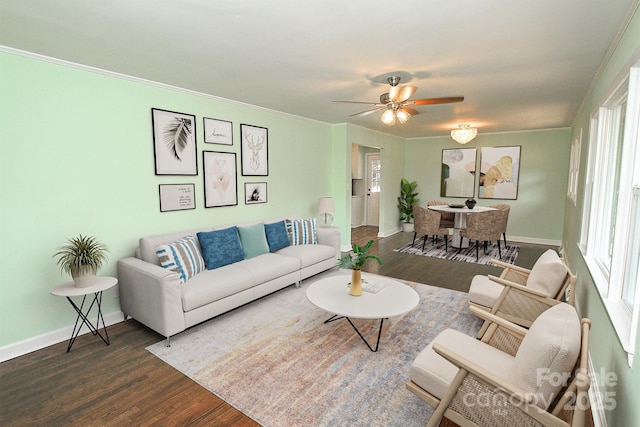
(548, 353)
(547, 274)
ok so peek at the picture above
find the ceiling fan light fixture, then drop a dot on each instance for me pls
(388, 118)
(464, 134)
(403, 116)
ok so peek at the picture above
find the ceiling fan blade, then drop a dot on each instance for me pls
(431, 101)
(410, 110)
(359, 102)
(364, 113)
(401, 93)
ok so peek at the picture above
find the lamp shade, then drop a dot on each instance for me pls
(325, 205)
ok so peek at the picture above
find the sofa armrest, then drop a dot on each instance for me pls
(152, 295)
(329, 236)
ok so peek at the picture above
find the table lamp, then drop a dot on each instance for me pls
(326, 208)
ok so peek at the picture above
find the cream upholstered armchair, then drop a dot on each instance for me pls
(426, 222)
(512, 377)
(484, 227)
(519, 294)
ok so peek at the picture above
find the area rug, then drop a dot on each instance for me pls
(277, 362)
(509, 253)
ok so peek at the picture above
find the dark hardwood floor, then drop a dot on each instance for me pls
(123, 384)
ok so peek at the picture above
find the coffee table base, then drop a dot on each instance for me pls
(336, 317)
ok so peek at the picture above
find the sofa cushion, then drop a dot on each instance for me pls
(221, 247)
(548, 354)
(484, 291)
(182, 256)
(264, 268)
(277, 236)
(547, 274)
(253, 240)
(149, 244)
(434, 373)
(308, 254)
(302, 231)
(213, 285)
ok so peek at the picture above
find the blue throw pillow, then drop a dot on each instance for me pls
(253, 239)
(221, 247)
(277, 236)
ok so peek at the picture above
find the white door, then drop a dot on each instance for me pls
(374, 170)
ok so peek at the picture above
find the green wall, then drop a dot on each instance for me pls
(77, 157)
(607, 354)
(544, 167)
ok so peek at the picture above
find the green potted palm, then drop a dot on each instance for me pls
(82, 257)
(406, 201)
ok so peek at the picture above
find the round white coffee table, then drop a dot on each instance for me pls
(332, 294)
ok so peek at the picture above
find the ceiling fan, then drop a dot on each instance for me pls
(397, 104)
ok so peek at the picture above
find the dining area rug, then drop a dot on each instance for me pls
(437, 250)
(276, 361)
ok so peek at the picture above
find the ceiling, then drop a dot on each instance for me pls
(520, 64)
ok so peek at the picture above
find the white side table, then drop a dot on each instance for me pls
(69, 290)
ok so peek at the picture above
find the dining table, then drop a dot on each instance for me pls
(459, 221)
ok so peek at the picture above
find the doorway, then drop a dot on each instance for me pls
(374, 171)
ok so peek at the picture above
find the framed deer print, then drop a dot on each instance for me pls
(254, 150)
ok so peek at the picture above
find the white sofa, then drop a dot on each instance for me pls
(155, 296)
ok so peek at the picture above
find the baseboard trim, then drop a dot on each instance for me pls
(29, 345)
(595, 398)
(534, 240)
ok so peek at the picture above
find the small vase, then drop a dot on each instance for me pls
(356, 283)
(84, 278)
(470, 203)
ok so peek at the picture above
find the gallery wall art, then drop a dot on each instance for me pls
(218, 131)
(499, 172)
(220, 179)
(255, 192)
(458, 172)
(174, 142)
(254, 150)
(177, 197)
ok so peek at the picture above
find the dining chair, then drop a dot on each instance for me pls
(484, 227)
(504, 208)
(446, 218)
(511, 376)
(426, 222)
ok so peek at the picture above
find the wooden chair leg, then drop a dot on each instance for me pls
(446, 244)
(424, 241)
(499, 251)
(504, 235)
(477, 249)
(415, 233)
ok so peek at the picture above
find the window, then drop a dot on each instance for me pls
(610, 240)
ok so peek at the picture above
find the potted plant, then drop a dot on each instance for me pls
(82, 257)
(354, 262)
(408, 198)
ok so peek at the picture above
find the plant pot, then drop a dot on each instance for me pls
(84, 278)
(470, 203)
(407, 227)
(356, 283)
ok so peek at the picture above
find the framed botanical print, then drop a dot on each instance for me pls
(499, 173)
(458, 172)
(254, 150)
(218, 131)
(220, 179)
(174, 142)
(255, 192)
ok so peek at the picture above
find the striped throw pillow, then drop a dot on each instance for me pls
(302, 231)
(182, 256)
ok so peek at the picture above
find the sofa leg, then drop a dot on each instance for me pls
(298, 284)
(168, 341)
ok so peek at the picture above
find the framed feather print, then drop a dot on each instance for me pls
(174, 142)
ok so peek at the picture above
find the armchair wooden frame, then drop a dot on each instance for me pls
(511, 405)
(518, 303)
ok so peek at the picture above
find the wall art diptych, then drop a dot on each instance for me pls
(220, 179)
(458, 173)
(255, 192)
(218, 131)
(499, 173)
(254, 150)
(174, 141)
